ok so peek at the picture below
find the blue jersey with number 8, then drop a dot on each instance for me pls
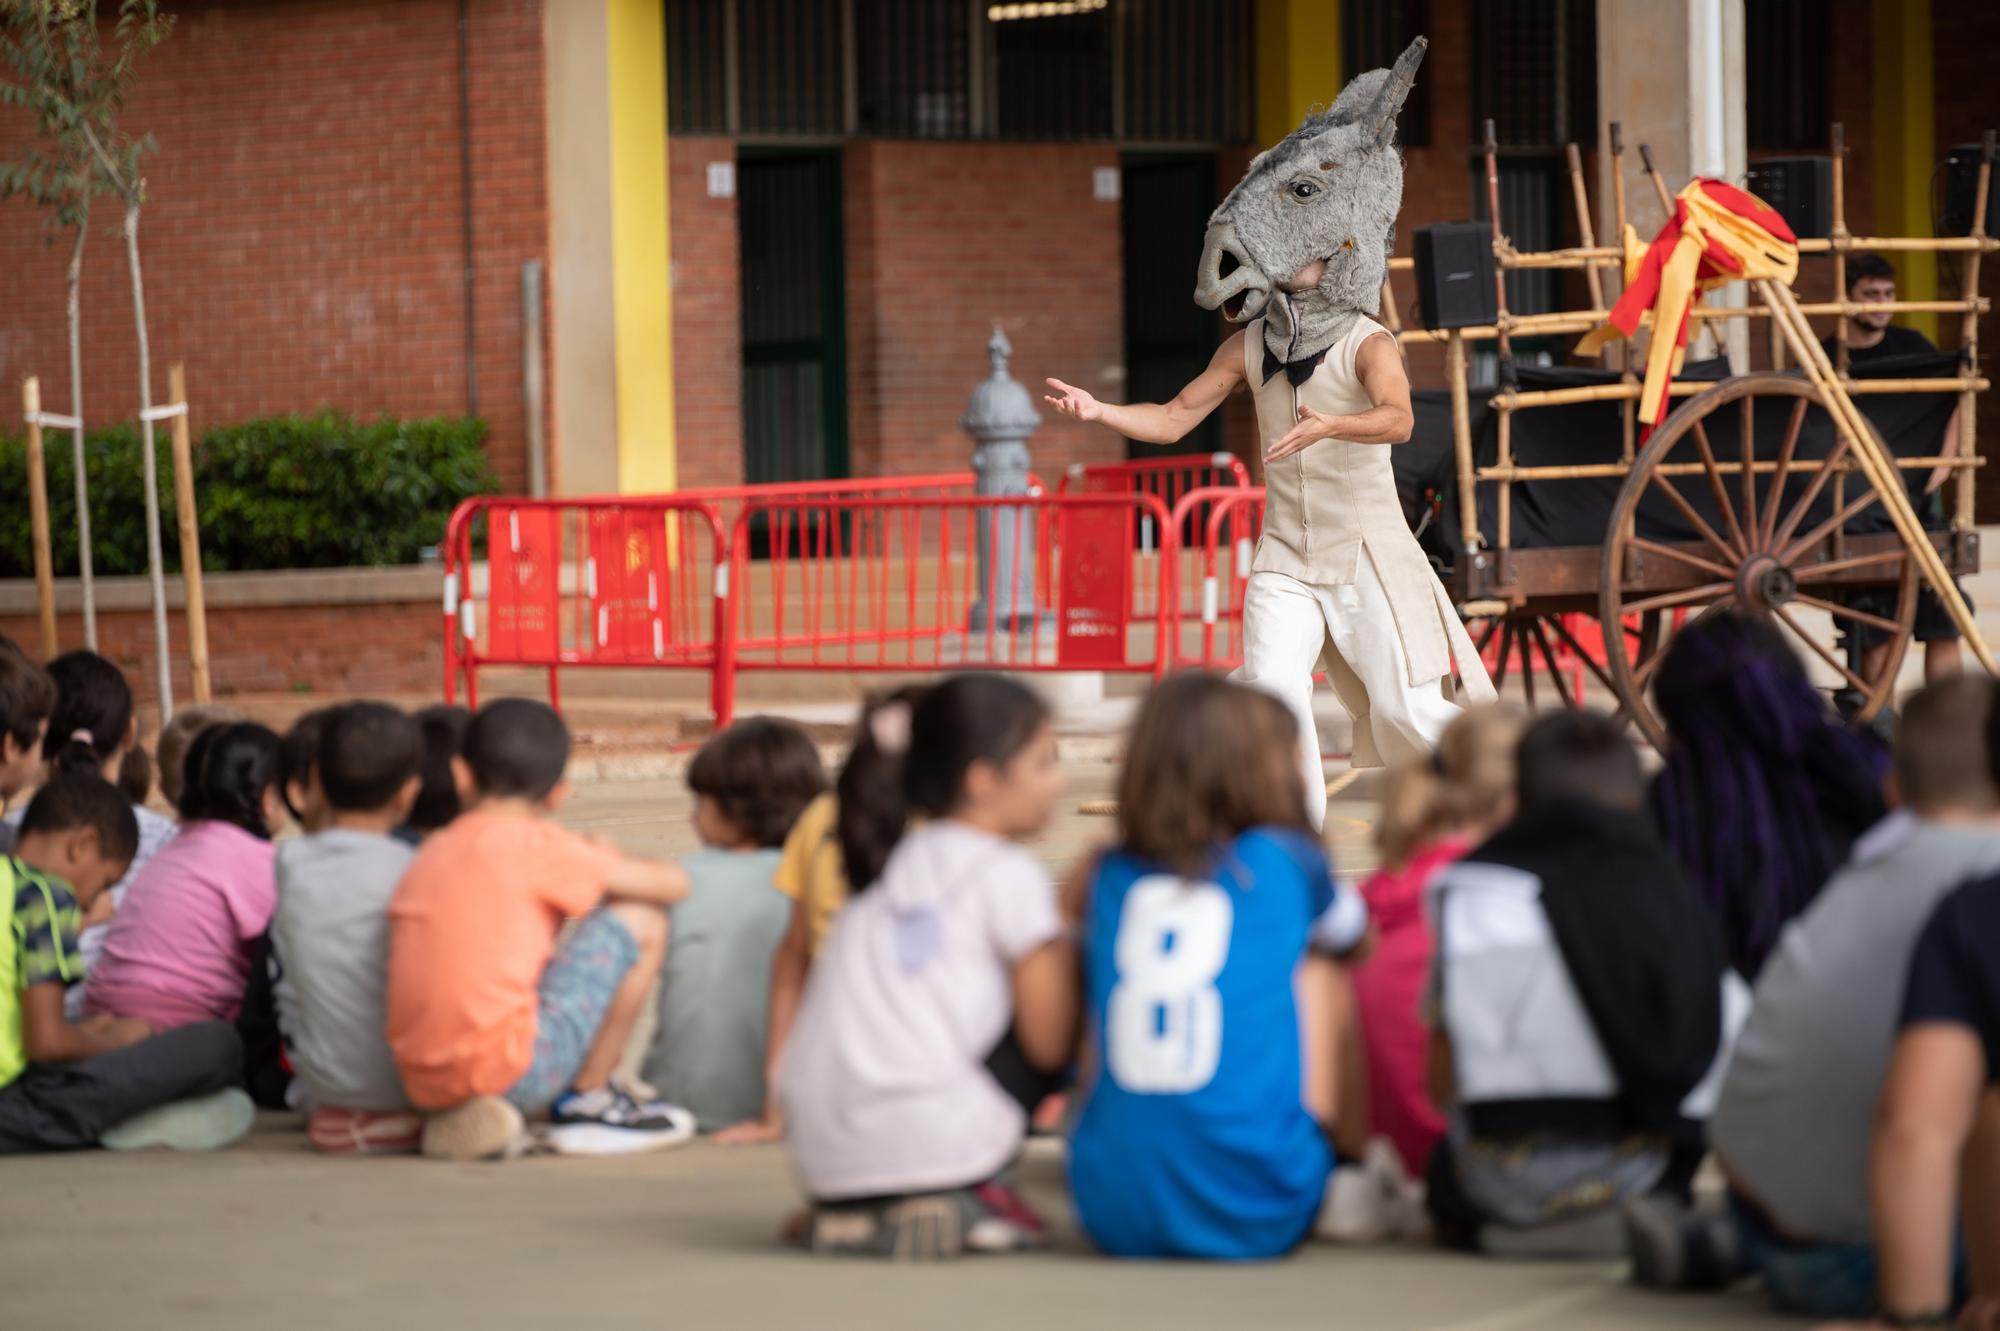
(1194, 1141)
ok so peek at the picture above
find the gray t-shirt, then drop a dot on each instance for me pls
(1799, 1101)
(708, 1052)
(330, 935)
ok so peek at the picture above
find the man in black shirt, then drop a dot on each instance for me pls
(1872, 337)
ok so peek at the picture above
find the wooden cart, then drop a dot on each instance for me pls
(1770, 512)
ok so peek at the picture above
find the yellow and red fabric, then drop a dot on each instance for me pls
(1718, 234)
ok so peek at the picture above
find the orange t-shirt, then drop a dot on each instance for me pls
(471, 927)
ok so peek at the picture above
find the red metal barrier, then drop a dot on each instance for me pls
(1169, 480)
(1216, 532)
(631, 582)
(866, 583)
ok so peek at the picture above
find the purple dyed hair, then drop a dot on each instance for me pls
(1764, 787)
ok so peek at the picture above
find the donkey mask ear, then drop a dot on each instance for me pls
(1382, 116)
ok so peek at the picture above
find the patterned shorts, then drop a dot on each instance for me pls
(576, 989)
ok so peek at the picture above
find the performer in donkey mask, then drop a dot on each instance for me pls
(1297, 254)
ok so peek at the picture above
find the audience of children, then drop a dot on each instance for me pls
(1764, 788)
(1583, 1007)
(750, 784)
(895, 989)
(490, 1016)
(109, 1081)
(1432, 813)
(944, 997)
(1206, 1128)
(1792, 1125)
(813, 873)
(179, 949)
(330, 932)
(177, 734)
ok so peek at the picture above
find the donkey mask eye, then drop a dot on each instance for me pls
(1304, 189)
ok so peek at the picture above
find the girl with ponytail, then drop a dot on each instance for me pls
(94, 731)
(179, 950)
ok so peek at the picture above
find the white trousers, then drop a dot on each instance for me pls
(1291, 627)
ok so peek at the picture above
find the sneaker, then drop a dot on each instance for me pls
(360, 1132)
(999, 1221)
(1675, 1247)
(206, 1123)
(621, 1104)
(928, 1228)
(486, 1128)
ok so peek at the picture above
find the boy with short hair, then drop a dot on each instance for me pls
(749, 783)
(27, 700)
(1792, 1126)
(1580, 1004)
(330, 932)
(489, 1019)
(105, 1080)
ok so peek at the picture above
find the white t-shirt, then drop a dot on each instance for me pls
(883, 1082)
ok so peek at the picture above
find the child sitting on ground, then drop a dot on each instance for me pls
(27, 697)
(105, 1080)
(1207, 938)
(749, 784)
(444, 791)
(297, 753)
(903, 1091)
(179, 949)
(1934, 1165)
(811, 873)
(1580, 1008)
(171, 748)
(489, 1018)
(1433, 812)
(330, 933)
(1792, 1126)
(95, 729)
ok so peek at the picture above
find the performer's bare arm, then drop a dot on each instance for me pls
(1161, 422)
(1379, 366)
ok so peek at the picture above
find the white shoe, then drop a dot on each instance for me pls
(205, 1123)
(668, 1126)
(1373, 1200)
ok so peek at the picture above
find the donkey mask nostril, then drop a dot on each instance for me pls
(1228, 264)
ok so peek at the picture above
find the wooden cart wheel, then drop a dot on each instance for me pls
(1772, 540)
(1526, 642)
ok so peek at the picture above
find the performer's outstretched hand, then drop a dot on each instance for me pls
(1074, 402)
(1313, 426)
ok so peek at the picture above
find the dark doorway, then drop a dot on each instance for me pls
(794, 316)
(1168, 338)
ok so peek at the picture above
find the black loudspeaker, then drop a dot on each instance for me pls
(1455, 274)
(1800, 189)
(1961, 190)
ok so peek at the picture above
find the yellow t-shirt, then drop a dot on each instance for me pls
(810, 872)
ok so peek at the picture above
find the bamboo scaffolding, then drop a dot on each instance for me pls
(1595, 280)
(1585, 471)
(1878, 464)
(1563, 397)
(1839, 144)
(1968, 339)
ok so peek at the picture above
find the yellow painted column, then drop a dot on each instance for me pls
(1298, 62)
(1905, 144)
(642, 296)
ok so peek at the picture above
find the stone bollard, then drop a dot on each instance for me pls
(1000, 418)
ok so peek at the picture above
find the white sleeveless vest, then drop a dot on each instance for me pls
(1325, 505)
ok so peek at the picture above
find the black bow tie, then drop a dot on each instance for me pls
(1297, 371)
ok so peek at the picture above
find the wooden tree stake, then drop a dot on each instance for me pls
(38, 515)
(184, 507)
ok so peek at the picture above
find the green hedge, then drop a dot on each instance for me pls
(323, 491)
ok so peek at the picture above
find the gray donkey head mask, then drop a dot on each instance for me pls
(1330, 190)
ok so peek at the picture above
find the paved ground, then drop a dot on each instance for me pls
(268, 1235)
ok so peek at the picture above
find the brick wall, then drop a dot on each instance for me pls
(708, 324)
(363, 649)
(303, 235)
(944, 241)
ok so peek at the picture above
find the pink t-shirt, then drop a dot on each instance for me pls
(178, 950)
(1389, 991)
